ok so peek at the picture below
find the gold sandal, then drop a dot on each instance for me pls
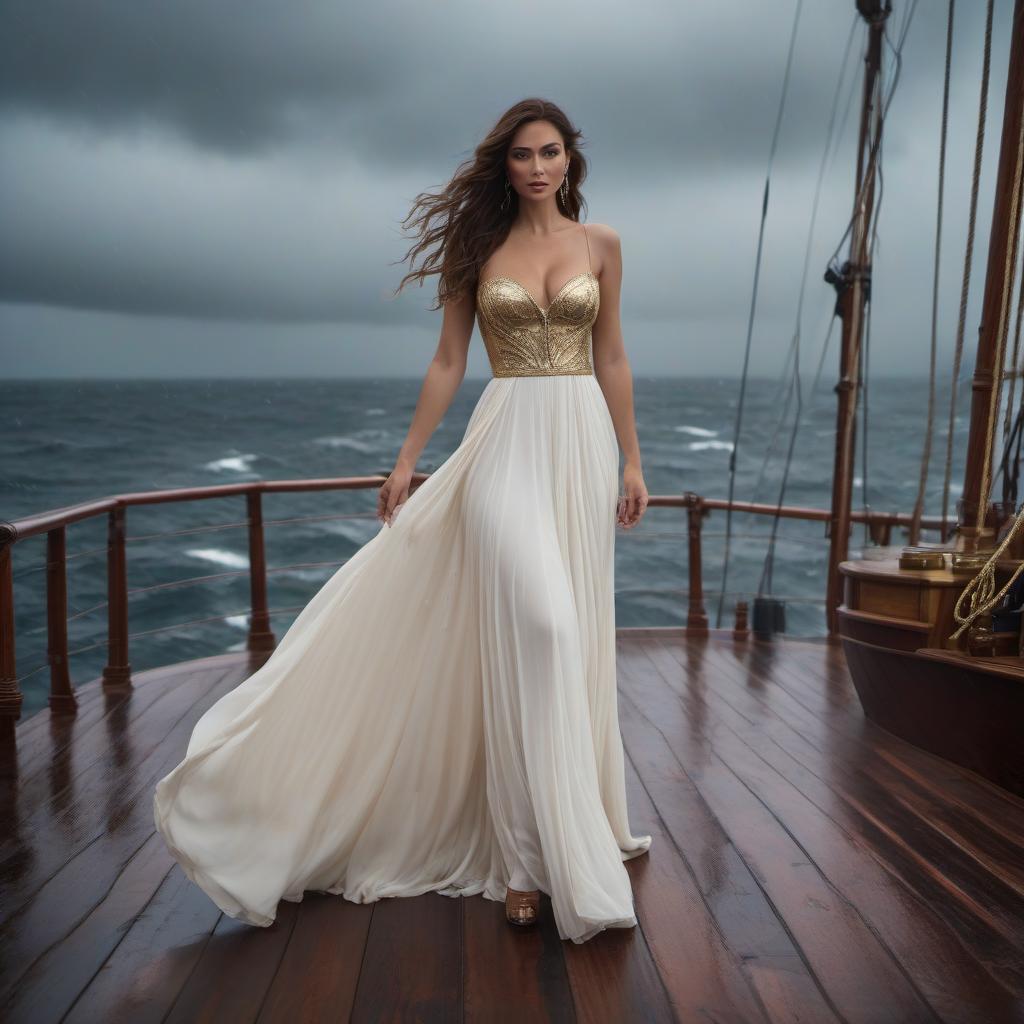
(522, 908)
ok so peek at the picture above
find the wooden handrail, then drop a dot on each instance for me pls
(117, 671)
(30, 526)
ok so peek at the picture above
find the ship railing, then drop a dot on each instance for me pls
(260, 640)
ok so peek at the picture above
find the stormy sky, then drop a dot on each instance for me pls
(217, 189)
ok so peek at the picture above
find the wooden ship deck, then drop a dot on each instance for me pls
(806, 865)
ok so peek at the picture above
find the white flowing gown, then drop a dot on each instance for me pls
(442, 715)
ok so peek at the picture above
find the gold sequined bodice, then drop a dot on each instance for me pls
(523, 340)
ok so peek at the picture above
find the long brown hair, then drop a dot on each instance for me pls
(465, 219)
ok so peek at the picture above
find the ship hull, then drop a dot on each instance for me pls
(966, 710)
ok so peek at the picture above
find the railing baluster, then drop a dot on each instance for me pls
(741, 628)
(261, 637)
(117, 674)
(10, 693)
(62, 694)
(696, 615)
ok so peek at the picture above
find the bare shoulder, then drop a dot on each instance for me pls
(606, 246)
(604, 235)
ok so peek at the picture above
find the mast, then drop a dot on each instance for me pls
(997, 296)
(853, 283)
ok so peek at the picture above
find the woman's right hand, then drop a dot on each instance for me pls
(393, 492)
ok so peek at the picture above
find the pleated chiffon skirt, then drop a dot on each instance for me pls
(442, 715)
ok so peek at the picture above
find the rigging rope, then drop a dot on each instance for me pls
(1011, 468)
(980, 593)
(765, 584)
(862, 353)
(864, 370)
(873, 155)
(926, 454)
(753, 305)
(1002, 330)
(832, 146)
(979, 145)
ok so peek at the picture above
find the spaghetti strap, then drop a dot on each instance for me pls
(590, 266)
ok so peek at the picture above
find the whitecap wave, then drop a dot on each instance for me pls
(697, 431)
(220, 556)
(715, 446)
(231, 463)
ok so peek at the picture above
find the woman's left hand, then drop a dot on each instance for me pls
(633, 502)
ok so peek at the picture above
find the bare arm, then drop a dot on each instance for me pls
(612, 369)
(442, 380)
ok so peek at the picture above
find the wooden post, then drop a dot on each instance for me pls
(741, 627)
(853, 292)
(995, 307)
(696, 615)
(261, 637)
(10, 692)
(117, 673)
(62, 694)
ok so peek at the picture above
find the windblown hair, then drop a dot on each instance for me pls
(465, 221)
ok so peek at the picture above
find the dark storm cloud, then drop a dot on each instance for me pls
(253, 161)
(226, 77)
(392, 80)
(388, 81)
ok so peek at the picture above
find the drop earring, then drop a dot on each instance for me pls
(565, 188)
(508, 195)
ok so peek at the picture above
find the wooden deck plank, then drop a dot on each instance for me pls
(512, 974)
(678, 922)
(857, 975)
(62, 817)
(412, 965)
(811, 792)
(614, 978)
(1000, 808)
(142, 976)
(772, 962)
(951, 793)
(51, 986)
(234, 972)
(806, 865)
(43, 736)
(965, 830)
(93, 834)
(317, 977)
(83, 745)
(983, 911)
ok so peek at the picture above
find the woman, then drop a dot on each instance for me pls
(442, 715)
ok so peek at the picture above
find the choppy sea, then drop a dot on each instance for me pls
(65, 442)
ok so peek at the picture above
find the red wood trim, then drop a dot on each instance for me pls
(117, 672)
(261, 637)
(62, 694)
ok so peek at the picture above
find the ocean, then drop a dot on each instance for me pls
(65, 442)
